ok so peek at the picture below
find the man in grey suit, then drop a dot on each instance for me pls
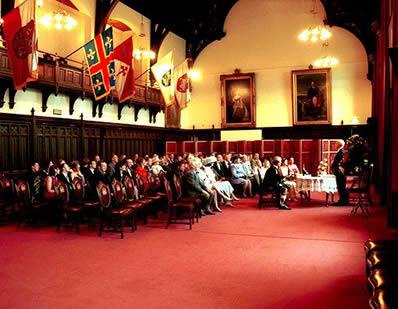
(193, 187)
(113, 165)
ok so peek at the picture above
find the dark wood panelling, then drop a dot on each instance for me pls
(14, 139)
(45, 139)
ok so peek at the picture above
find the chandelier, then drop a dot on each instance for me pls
(144, 54)
(326, 62)
(315, 34)
(59, 20)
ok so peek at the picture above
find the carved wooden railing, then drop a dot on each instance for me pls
(57, 76)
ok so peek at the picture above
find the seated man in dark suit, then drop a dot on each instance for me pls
(219, 166)
(35, 180)
(64, 176)
(102, 174)
(193, 187)
(274, 180)
(90, 175)
(227, 166)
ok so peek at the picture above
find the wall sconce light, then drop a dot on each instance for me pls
(355, 120)
(194, 74)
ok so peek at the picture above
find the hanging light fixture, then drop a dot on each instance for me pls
(144, 54)
(315, 33)
(326, 62)
(59, 20)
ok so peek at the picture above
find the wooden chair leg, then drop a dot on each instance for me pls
(77, 223)
(100, 226)
(133, 226)
(122, 227)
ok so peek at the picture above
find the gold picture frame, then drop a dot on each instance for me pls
(312, 96)
(238, 100)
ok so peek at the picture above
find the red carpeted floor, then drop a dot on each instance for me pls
(309, 257)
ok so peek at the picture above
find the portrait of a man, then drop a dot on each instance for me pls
(311, 96)
(237, 100)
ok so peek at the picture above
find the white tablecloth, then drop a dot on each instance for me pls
(325, 183)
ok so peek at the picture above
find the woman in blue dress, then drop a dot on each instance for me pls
(239, 176)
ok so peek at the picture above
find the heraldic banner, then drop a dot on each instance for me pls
(125, 84)
(20, 35)
(101, 64)
(181, 82)
(163, 70)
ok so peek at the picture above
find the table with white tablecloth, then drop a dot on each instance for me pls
(324, 183)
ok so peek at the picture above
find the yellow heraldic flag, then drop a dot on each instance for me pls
(181, 84)
(163, 70)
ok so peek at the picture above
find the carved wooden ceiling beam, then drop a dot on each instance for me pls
(103, 11)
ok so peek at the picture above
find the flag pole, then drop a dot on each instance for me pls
(75, 51)
(142, 74)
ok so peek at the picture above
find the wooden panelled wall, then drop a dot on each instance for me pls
(24, 139)
(307, 152)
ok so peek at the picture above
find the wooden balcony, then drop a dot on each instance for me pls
(57, 76)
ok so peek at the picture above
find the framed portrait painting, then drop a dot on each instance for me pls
(238, 100)
(311, 92)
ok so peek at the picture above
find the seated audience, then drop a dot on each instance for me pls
(239, 176)
(65, 176)
(130, 168)
(76, 172)
(194, 188)
(249, 172)
(97, 159)
(223, 187)
(103, 174)
(206, 182)
(227, 165)
(50, 182)
(142, 172)
(274, 180)
(156, 168)
(35, 181)
(121, 171)
(90, 176)
(218, 166)
(112, 166)
(292, 166)
(288, 176)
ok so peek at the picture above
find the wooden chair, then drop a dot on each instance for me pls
(178, 210)
(141, 204)
(123, 202)
(108, 212)
(67, 211)
(265, 194)
(144, 197)
(155, 192)
(197, 203)
(6, 197)
(359, 192)
(23, 201)
(89, 207)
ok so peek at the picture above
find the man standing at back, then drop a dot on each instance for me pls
(338, 171)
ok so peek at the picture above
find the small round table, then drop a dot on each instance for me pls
(324, 183)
